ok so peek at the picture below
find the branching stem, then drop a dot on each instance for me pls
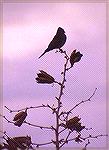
(59, 100)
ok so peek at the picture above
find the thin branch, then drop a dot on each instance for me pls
(88, 142)
(7, 119)
(66, 140)
(93, 137)
(37, 126)
(41, 127)
(62, 130)
(89, 137)
(38, 145)
(31, 107)
(70, 111)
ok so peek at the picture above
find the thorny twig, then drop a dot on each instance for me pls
(41, 127)
(66, 140)
(7, 119)
(89, 137)
(70, 111)
(38, 145)
(59, 99)
(31, 107)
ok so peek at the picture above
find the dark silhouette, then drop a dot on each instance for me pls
(57, 42)
(75, 57)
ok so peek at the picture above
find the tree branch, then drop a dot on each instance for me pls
(38, 145)
(66, 140)
(7, 119)
(93, 137)
(62, 86)
(31, 107)
(70, 111)
(37, 126)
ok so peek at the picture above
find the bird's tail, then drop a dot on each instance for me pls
(42, 54)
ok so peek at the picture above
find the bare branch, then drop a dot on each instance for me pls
(7, 119)
(37, 126)
(62, 86)
(88, 137)
(93, 137)
(38, 145)
(66, 140)
(31, 107)
(62, 130)
(70, 111)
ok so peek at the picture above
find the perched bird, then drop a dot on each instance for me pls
(57, 42)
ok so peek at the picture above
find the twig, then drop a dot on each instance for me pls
(41, 127)
(66, 140)
(88, 142)
(62, 130)
(89, 99)
(38, 145)
(7, 119)
(90, 136)
(37, 126)
(70, 111)
(31, 107)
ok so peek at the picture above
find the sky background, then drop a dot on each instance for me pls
(27, 30)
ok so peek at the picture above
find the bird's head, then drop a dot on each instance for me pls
(60, 30)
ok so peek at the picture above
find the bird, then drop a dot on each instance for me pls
(57, 42)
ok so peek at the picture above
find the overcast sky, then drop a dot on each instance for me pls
(27, 30)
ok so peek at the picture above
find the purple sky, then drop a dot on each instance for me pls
(27, 30)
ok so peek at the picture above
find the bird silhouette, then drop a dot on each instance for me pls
(57, 42)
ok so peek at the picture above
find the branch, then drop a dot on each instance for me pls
(59, 105)
(66, 140)
(89, 99)
(41, 127)
(7, 119)
(37, 126)
(38, 145)
(70, 111)
(90, 136)
(62, 130)
(35, 107)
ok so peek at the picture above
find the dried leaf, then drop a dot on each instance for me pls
(23, 140)
(71, 123)
(19, 115)
(19, 118)
(43, 77)
(75, 57)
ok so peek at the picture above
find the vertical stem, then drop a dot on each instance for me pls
(59, 103)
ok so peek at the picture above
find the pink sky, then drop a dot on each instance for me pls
(27, 30)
